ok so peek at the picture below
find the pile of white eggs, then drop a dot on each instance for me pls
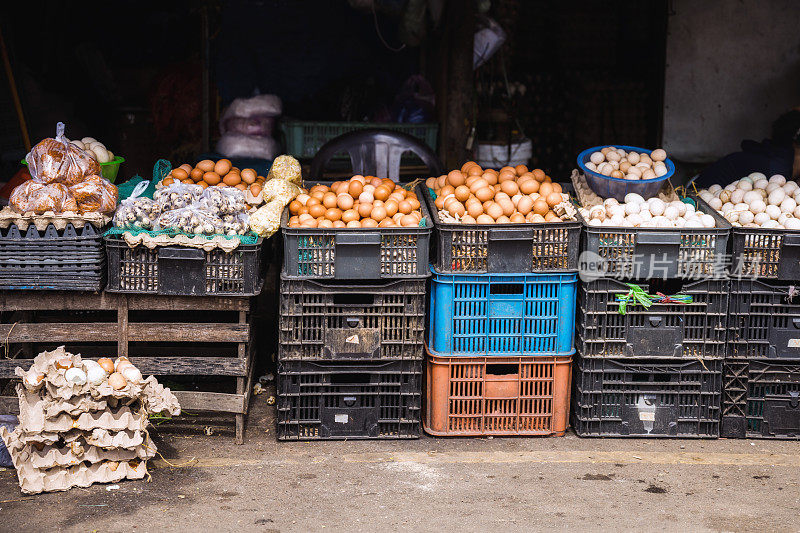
(617, 163)
(757, 202)
(636, 212)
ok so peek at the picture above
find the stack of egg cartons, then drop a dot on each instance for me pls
(351, 332)
(652, 326)
(761, 396)
(501, 327)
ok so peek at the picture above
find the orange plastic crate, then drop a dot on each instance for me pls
(476, 396)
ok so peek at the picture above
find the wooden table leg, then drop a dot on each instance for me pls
(241, 383)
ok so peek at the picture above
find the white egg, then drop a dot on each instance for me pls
(595, 222)
(689, 210)
(733, 216)
(737, 196)
(632, 208)
(708, 221)
(796, 196)
(612, 155)
(671, 212)
(796, 212)
(725, 196)
(132, 374)
(693, 224)
(772, 186)
(615, 211)
(761, 184)
(792, 223)
(770, 224)
(656, 206)
(777, 178)
(731, 187)
(680, 206)
(680, 222)
(726, 207)
(706, 196)
(714, 189)
(75, 375)
(610, 201)
(758, 206)
(744, 185)
(745, 217)
(759, 219)
(783, 217)
(605, 169)
(597, 157)
(591, 166)
(788, 205)
(95, 374)
(776, 196)
(658, 154)
(635, 219)
(773, 211)
(631, 176)
(645, 214)
(633, 158)
(633, 197)
(790, 187)
(660, 171)
(636, 171)
(752, 196)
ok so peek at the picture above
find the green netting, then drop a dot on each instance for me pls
(248, 238)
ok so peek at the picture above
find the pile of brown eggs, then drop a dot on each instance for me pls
(473, 195)
(208, 173)
(360, 202)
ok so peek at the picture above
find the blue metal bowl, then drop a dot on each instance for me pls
(608, 187)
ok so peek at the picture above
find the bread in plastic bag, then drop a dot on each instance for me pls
(95, 194)
(190, 220)
(137, 213)
(59, 161)
(223, 201)
(286, 167)
(177, 196)
(40, 198)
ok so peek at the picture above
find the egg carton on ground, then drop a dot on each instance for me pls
(33, 480)
(102, 438)
(74, 453)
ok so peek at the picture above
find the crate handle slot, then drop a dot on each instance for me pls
(506, 288)
(351, 378)
(353, 299)
(655, 321)
(661, 238)
(353, 321)
(349, 401)
(521, 234)
(170, 252)
(796, 322)
(357, 238)
(793, 239)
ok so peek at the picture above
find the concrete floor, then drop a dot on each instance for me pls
(509, 484)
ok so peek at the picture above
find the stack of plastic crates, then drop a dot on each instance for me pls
(501, 329)
(762, 367)
(651, 332)
(351, 332)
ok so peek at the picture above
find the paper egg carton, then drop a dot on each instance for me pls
(78, 451)
(33, 480)
(101, 438)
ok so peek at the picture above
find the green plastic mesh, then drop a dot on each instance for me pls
(248, 238)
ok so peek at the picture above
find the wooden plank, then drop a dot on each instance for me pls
(151, 302)
(171, 332)
(9, 405)
(57, 300)
(122, 327)
(160, 366)
(210, 401)
(59, 332)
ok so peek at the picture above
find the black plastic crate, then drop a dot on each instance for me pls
(634, 398)
(330, 320)
(70, 259)
(766, 253)
(689, 253)
(764, 320)
(356, 253)
(183, 270)
(664, 330)
(761, 400)
(504, 248)
(335, 400)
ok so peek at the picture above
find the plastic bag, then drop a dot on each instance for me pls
(278, 189)
(251, 116)
(95, 194)
(135, 213)
(190, 220)
(239, 145)
(177, 196)
(266, 221)
(286, 167)
(59, 161)
(223, 201)
(237, 224)
(39, 198)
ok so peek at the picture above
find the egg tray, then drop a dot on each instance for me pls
(504, 248)
(357, 253)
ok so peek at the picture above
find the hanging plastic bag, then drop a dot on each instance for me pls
(59, 161)
(191, 221)
(223, 201)
(137, 212)
(95, 194)
(40, 198)
(177, 196)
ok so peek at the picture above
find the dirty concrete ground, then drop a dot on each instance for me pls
(501, 484)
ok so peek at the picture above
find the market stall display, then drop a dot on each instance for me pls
(83, 421)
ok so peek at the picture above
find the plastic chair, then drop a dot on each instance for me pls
(375, 152)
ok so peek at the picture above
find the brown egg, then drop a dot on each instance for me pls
(551, 217)
(447, 190)
(359, 178)
(179, 174)
(311, 223)
(249, 176)
(241, 186)
(303, 211)
(554, 199)
(167, 181)
(466, 166)
(329, 199)
(368, 223)
(517, 218)
(475, 209)
(455, 208)
(303, 217)
(478, 184)
(196, 174)
(364, 210)
(255, 189)
(439, 202)
(317, 211)
(232, 179)
(406, 206)
(456, 178)
(344, 201)
(521, 169)
(186, 167)
(375, 182)
(529, 186)
(494, 211)
(409, 221)
(537, 219)
(212, 178)
(324, 223)
(382, 193)
(509, 187)
(545, 189)
(441, 181)
(484, 219)
(355, 188)
(188, 181)
(223, 166)
(203, 184)
(206, 165)
(503, 220)
(350, 214)
(430, 183)
(335, 186)
(540, 207)
(525, 205)
(106, 364)
(462, 193)
(538, 174)
(506, 175)
(386, 223)
(491, 176)
(117, 381)
(475, 171)
(397, 217)
(557, 188)
(484, 194)
(507, 206)
(294, 207)
(468, 219)
(339, 224)
(333, 214)
(293, 222)
(378, 212)
(317, 195)
(313, 201)
(391, 207)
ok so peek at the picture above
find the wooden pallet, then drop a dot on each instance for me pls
(191, 339)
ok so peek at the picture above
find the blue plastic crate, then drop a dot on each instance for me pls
(502, 314)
